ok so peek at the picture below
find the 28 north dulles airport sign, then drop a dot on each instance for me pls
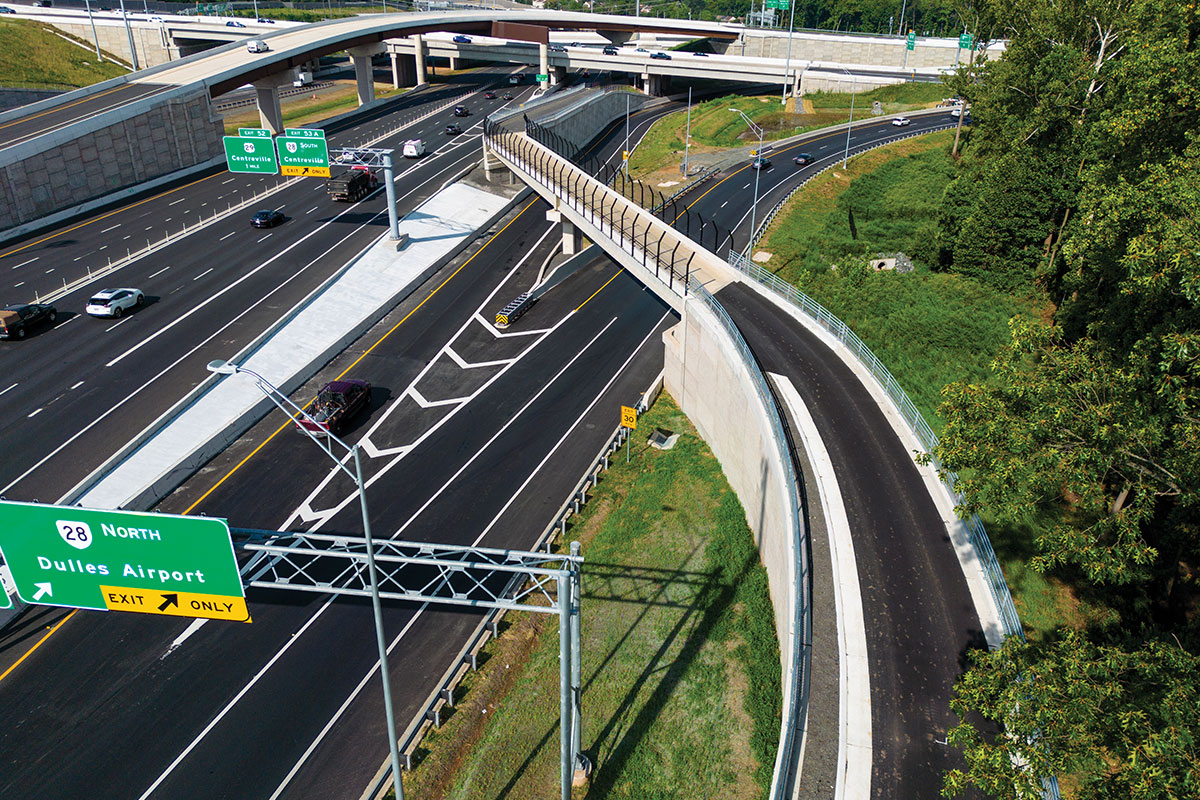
(122, 561)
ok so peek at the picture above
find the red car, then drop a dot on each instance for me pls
(336, 404)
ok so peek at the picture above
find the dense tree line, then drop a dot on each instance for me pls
(1080, 179)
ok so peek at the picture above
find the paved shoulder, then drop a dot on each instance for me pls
(919, 618)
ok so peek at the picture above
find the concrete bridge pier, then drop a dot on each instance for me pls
(419, 56)
(655, 85)
(404, 70)
(544, 61)
(494, 169)
(557, 75)
(266, 97)
(364, 71)
(573, 240)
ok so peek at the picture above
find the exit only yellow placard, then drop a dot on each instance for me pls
(176, 604)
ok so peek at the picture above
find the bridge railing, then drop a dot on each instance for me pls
(675, 260)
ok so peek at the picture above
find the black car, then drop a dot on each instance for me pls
(489, 95)
(461, 111)
(762, 162)
(453, 129)
(802, 159)
(265, 21)
(556, 48)
(609, 50)
(6, 10)
(660, 56)
(267, 218)
(16, 320)
(700, 54)
(508, 95)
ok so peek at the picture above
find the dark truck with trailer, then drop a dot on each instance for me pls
(352, 185)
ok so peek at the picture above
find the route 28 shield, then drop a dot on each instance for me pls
(291, 147)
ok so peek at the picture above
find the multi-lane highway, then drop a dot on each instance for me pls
(286, 706)
(76, 391)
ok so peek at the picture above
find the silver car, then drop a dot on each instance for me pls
(114, 302)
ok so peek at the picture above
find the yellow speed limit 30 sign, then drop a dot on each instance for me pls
(629, 417)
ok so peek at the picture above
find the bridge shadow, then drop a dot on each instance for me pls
(703, 597)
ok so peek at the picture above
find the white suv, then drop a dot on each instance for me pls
(114, 302)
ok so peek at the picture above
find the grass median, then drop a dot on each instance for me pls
(681, 676)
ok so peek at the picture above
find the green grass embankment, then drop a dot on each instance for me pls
(33, 56)
(681, 678)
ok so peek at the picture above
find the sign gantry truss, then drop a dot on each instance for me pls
(483, 577)
(413, 571)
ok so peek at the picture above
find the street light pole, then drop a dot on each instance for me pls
(787, 62)
(625, 152)
(850, 124)
(95, 38)
(687, 139)
(758, 171)
(284, 404)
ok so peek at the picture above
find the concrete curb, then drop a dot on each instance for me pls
(854, 707)
(167, 481)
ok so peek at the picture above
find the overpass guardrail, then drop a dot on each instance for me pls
(667, 253)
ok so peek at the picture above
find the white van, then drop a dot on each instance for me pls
(257, 46)
(414, 148)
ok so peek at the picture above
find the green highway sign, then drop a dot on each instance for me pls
(251, 151)
(543, 77)
(912, 40)
(780, 4)
(966, 41)
(302, 151)
(122, 561)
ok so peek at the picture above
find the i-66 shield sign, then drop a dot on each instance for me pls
(251, 153)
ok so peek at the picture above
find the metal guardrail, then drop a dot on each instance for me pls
(624, 223)
(429, 714)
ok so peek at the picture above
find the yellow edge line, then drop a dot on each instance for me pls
(29, 652)
(450, 277)
(60, 108)
(598, 291)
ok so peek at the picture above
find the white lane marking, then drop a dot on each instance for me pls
(113, 228)
(230, 705)
(77, 258)
(34, 414)
(123, 238)
(423, 403)
(9, 389)
(462, 364)
(15, 285)
(338, 714)
(104, 247)
(747, 186)
(231, 180)
(202, 274)
(122, 322)
(50, 270)
(30, 261)
(263, 239)
(566, 434)
(76, 386)
(511, 421)
(724, 204)
(314, 208)
(499, 334)
(177, 202)
(160, 272)
(196, 625)
(150, 228)
(226, 236)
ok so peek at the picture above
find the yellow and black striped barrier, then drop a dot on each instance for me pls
(511, 312)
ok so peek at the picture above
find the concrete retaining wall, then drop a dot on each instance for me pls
(881, 51)
(153, 46)
(813, 81)
(707, 377)
(581, 122)
(104, 158)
